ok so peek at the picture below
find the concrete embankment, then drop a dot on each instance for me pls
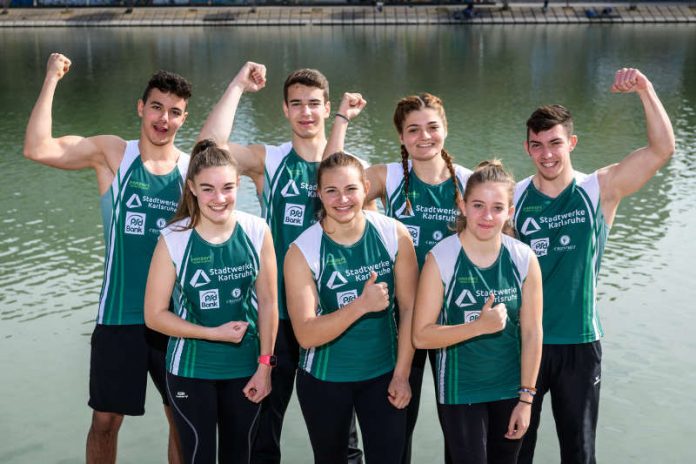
(517, 13)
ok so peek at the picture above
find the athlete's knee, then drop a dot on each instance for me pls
(106, 423)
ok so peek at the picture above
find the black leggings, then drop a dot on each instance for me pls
(205, 408)
(327, 408)
(475, 433)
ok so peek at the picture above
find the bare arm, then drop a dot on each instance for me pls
(218, 125)
(311, 329)
(102, 153)
(158, 293)
(531, 332)
(633, 172)
(259, 386)
(406, 280)
(351, 106)
(428, 334)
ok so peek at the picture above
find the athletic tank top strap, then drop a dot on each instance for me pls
(446, 253)
(520, 189)
(395, 178)
(386, 227)
(176, 237)
(589, 183)
(275, 155)
(254, 227)
(309, 244)
(462, 175)
(520, 255)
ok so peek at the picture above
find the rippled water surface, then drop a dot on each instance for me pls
(491, 78)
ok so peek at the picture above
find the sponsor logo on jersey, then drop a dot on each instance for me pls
(181, 395)
(336, 281)
(530, 226)
(236, 293)
(134, 201)
(467, 280)
(437, 235)
(471, 316)
(403, 212)
(290, 189)
(138, 185)
(465, 299)
(415, 233)
(209, 299)
(333, 261)
(199, 279)
(540, 246)
(161, 222)
(135, 223)
(564, 240)
(294, 215)
(346, 297)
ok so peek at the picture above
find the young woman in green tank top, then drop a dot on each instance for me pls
(219, 264)
(479, 301)
(421, 191)
(343, 277)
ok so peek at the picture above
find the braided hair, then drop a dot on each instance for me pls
(415, 103)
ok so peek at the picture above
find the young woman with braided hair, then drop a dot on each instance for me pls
(422, 191)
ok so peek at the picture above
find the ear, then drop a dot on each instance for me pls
(461, 204)
(327, 109)
(141, 106)
(190, 186)
(526, 147)
(572, 141)
(511, 212)
(285, 109)
(367, 187)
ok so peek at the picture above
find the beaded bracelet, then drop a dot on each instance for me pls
(530, 391)
(339, 115)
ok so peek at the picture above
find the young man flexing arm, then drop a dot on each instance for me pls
(285, 180)
(565, 217)
(139, 184)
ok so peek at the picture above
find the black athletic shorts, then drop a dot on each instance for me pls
(122, 356)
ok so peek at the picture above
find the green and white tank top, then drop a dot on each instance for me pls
(368, 348)
(134, 209)
(568, 234)
(289, 203)
(487, 367)
(433, 208)
(215, 284)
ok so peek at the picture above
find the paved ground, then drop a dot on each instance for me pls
(518, 13)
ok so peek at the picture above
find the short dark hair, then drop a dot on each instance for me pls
(309, 78)
(548, 116)
(168, 82)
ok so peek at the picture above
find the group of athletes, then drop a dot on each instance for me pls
(228, 311)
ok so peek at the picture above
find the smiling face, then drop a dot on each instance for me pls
(342, 192)
(487, 208)
(306, 110)
(550, 151)
(161, 117)
(215, 189)
(423, 134)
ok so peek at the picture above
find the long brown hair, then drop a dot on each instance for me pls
(414, 103)
(340, 159)
(489, 171)
(206, 154)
